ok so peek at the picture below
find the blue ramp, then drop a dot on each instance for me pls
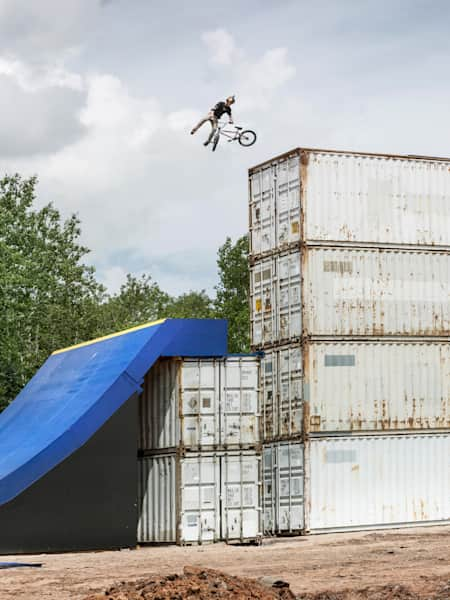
(79, 388)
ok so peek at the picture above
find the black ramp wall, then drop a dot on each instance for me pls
(87, 502)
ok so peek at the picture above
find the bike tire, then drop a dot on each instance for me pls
(215, 141)
(247, 138)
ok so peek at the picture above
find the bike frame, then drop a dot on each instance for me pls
(230, 135)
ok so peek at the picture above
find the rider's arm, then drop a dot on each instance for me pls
(230, 117)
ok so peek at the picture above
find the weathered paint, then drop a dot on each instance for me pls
(343, 197)
(325, 291)
(200, 404)
(378, 481)
(376, 386)
(199, 498)
(355, 386)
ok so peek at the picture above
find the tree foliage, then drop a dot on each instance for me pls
(138, 301)
(232, 301)
(48, 296)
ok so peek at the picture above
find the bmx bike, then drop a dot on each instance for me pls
(246, 137)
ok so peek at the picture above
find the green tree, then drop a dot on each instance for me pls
(138, 301)
(192, 305)
(48, 297)
(232, 300)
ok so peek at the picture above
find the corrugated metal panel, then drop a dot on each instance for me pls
(157, 504)
(283, 491)
(350, 292)
(374, 199)
(347, 197)
(358, 482)
(370, 292)
(378, 386)
(200, 404)
(159, 426)
(355, 386)
(198, 498)
(281, 393)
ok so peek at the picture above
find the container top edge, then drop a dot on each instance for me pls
(299, 149)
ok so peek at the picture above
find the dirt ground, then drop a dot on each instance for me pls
(418, 559)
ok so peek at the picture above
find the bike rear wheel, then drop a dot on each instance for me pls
(215, 141)
(247, 137)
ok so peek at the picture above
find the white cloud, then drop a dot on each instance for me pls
(221, 46)
(255, 81)
(38, 107)
(33, 78)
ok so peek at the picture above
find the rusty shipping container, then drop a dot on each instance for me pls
(356, 482)
(348, 198)
(333, 292)
(326, 387)
(200, 404)
(200, 497)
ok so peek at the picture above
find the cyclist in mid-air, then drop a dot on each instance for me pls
(214, 115)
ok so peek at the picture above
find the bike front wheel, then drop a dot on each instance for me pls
(247, 137)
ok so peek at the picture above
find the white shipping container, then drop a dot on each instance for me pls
(355, 386)
(357, 482)
(199, 498)
(200, 404)
(378, 481)
(319, 291)
(344, 197)
(283, 488)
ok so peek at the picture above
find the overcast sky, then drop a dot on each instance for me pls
(97, 98)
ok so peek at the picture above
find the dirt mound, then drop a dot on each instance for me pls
(198, 584)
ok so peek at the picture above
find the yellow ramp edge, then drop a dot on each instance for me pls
(108, 337)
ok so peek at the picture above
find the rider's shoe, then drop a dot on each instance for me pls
(192, 131)
(206, 143)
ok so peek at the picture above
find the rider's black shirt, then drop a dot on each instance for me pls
(220, 109)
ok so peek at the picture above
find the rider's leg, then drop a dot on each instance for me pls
(214, 126)
(199, 124)
(208, 117)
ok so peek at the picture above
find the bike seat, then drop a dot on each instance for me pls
(236, 127)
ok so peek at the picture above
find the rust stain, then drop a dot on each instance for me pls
(306, 419)
(304, 161)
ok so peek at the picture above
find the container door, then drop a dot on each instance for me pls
(200, 491)
(289, 389)
(269, 496)
(262, 211)
(200, 403)
(263, 302)
(240, 496)
(288, 201)
(239, 402)
(290, 488)
(269, 396)
(289, 297)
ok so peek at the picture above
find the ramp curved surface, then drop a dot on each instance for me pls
(79, 388)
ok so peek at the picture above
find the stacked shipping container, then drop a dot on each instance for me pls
(350, 301)
(199, 459)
